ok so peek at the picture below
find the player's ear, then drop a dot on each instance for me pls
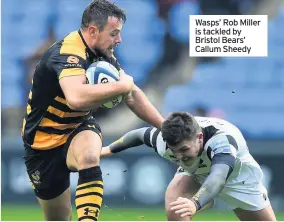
(200, 137)
(93, 31)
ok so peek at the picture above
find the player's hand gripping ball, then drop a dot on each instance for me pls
(103, 72)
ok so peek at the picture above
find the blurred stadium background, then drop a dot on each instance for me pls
(246, 91)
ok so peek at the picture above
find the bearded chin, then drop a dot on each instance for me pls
(101, 52)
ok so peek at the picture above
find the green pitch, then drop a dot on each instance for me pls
(33, 213)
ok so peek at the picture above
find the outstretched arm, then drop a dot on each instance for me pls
(131, 139)
(222, 167)
(139, 104)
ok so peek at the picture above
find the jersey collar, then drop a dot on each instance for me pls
(91, 54)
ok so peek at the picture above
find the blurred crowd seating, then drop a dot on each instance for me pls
(247, 91)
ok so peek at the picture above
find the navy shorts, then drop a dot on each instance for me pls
(47, 169)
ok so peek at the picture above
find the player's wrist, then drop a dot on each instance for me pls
(123, 87)
(106, 151)
(197, 204)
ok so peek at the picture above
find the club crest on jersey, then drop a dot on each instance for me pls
(174, 158)
(201, 164)
(72, 60)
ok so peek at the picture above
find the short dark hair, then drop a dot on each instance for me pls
(98, 11)
(179, 126)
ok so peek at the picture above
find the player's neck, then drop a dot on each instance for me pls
(200, 150)
(87, 40)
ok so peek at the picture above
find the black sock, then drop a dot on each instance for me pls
(89, 193)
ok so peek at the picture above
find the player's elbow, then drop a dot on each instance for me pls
(215, 182)
(221, 183)
(76, 103)
(129, 100)
(131, 97)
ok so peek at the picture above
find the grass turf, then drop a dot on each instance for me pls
(33, 213)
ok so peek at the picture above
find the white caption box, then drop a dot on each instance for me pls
(228, 35)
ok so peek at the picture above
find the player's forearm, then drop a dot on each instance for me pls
(212, 186)
(143, 108)
(87, 97)
(131, 139)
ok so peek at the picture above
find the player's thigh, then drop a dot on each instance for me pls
(84, 146)
(266, 214)
(253, 204)
(58, 208)
(182, 185)
(50, 180)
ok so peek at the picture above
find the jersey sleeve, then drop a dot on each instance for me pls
(151, 137)
(222, 149)
(67, 64)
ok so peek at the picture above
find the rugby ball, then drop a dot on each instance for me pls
(101, 73)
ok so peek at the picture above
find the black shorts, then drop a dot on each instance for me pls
(47, 169)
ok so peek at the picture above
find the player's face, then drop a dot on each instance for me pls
(188, 150)
(109, 37)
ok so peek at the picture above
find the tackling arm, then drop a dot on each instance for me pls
(131, 139)
(222, 167)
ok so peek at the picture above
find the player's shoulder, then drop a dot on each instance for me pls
(216, 123)
(205, 121)
(69, 51)
(221, 144)
(221, 140)
(215, 130)
(71, 45)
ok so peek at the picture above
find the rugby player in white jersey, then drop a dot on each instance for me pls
(214, 163)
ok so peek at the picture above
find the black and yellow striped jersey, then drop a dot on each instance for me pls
(49, 120)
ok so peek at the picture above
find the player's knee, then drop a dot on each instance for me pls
(87, 160)
(171, 195)
(87, 150)
(171, 215)
(169, 198)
